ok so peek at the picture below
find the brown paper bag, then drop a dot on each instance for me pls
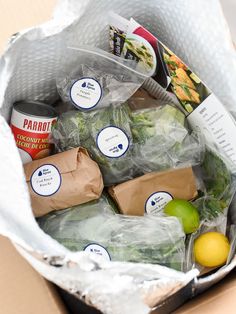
(63, 180)
(151, 192)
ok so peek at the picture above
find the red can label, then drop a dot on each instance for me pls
(32, 135)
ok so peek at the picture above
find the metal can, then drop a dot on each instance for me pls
(31, 124)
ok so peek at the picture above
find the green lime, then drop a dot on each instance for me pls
(186, 211)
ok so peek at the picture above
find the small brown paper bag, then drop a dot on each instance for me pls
(63, 180)
(151, 192)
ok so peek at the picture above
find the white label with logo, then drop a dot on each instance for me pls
(98, 249)
(46, 180)
(112, 142)
(86, 93)
(156, 202)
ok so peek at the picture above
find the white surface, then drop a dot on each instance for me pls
(219, 127)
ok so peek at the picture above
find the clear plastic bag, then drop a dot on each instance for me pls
(217, 192)
(148, 239)
(91, 77)
(218, 177)
(218, 224)
(128, 143)
(163, 141)
(218, 186)
(56, 222)
(106, 134)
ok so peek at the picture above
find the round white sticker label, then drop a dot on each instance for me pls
(86, 93)
(97, 249)
(156, 202)
(112, 142)
(46, 180)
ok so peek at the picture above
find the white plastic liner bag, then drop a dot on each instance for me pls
(197, 32)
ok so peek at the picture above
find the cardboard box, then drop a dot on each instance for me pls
(22, 289)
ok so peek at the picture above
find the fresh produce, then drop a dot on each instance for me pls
(161, 139)
(76, 128)
(216, 176)
(157, 139)
(219, 187)
(93, 78)
(209, 208)
(211, 249)
(186, 211)
(147, 239)
(59, 223)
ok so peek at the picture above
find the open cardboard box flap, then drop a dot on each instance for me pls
(219, 299)
(22, 289)
(18, 279)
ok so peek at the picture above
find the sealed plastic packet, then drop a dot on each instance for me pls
(63, 224)
(150, 239)
(218, 188)
(216, 225)
(128, 143)
(106, 134)
(213, 205)
(92, 78)
(163, 141)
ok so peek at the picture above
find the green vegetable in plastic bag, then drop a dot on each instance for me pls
(209, 207)
(219, 187)
(216, 175)
(76, 128)
(58, 224)
(135, 142)
(163, 140)
(147, 239)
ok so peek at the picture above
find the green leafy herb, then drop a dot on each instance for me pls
(209, 208)
(147, 239)
(216, 176)
(76, 128)
(158, 139)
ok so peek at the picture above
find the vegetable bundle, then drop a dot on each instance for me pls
(157, 139)
(147, 239)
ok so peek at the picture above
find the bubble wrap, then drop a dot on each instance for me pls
(197, 32)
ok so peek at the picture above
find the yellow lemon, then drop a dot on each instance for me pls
(211, 249)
